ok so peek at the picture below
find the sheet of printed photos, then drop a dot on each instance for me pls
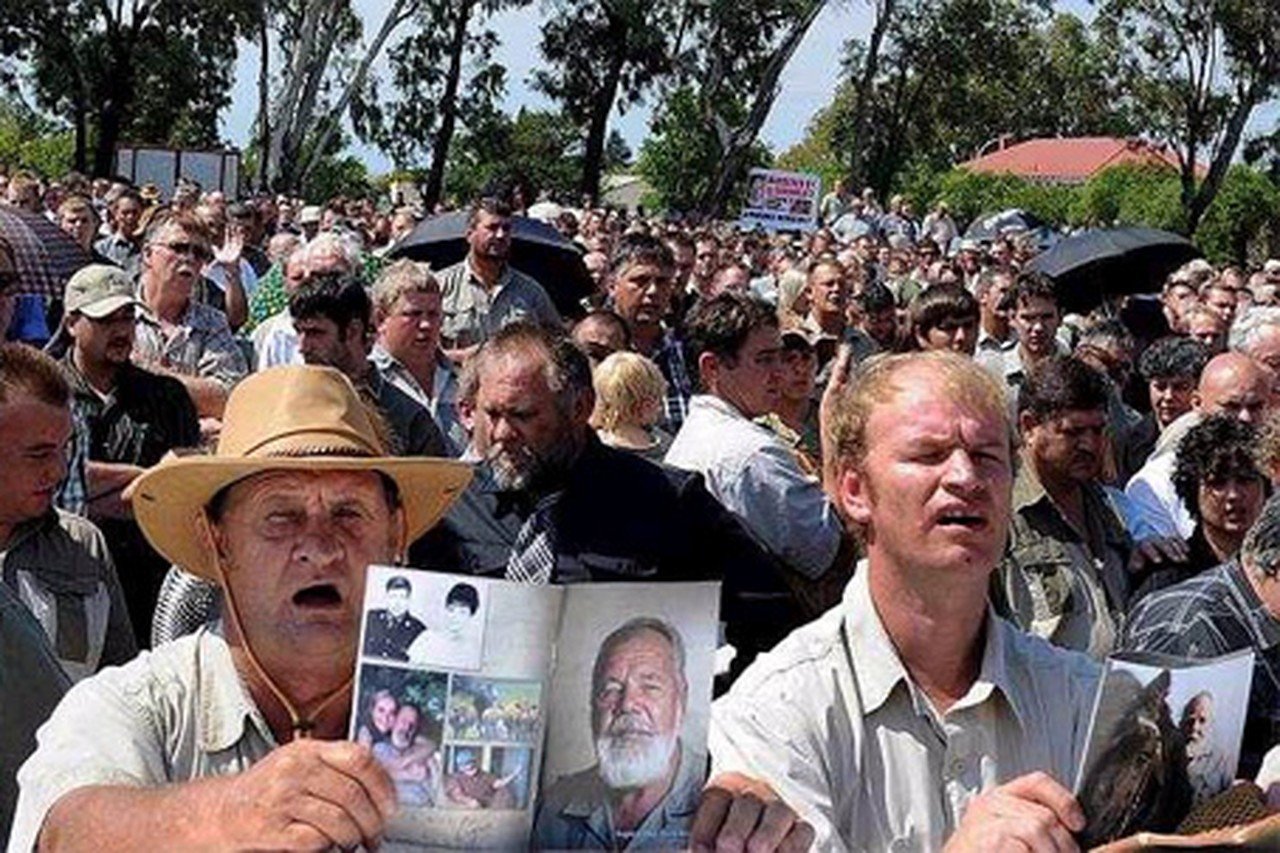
(449, 737)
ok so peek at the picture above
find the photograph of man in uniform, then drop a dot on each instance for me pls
(392, 628)
(644, 787)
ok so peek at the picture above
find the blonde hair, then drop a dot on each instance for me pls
(403, 276)
(877, 383)
(628, 386)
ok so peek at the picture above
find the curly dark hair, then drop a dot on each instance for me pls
(1216, 449)
(1174, 357)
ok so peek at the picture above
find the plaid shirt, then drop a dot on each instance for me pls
(1214, 613)
(73, 494)
(201, 345)
(669, 356)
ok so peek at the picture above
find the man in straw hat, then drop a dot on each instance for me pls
(298, 499)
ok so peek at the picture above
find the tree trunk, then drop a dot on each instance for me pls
(303, 61)
(741, 139)
(264, 99)
(1198, 200)
(448, 107)
(862, 92)
(597, 130)
(399, 12)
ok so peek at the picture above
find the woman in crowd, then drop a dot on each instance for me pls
(629, 394)
(1218, 480)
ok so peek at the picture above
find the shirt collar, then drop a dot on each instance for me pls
(877, 669)
(226, 710)
(504, 277)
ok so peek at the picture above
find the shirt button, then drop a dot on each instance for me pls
(957, 767)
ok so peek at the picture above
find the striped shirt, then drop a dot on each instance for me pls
(1212, 614)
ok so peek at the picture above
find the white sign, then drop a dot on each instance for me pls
(781, 201)
(213, 170)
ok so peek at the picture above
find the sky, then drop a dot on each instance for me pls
(806, 85)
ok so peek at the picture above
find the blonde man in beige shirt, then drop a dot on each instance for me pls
(910, 717)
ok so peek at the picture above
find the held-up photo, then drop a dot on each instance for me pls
(424, 619)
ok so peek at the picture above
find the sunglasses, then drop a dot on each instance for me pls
(199, 251)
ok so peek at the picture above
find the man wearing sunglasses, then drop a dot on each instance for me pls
(176, 334)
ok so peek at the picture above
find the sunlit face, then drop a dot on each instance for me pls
(80, 225)
(127, 212)
(1036, 321)
(826, 289)
(1208, 328)
(411, 332)
(950, 334)
(295, 546)
(105, 341)
(1221, 301)
(933, 490)
(1229, 506)
(176, 258)
(405, 727)
(1178, 299)
(322, 342)
(490, 236)
(642, 293)
(1068, 447)
(751, 379)
(33, 455)
(1171, 397)
(520, 430)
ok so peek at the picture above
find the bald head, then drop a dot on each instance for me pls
(1236, 385)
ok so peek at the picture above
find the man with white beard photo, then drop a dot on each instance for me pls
(644, 788)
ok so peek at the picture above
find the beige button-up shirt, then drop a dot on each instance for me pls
(175, 714)
(831, 719)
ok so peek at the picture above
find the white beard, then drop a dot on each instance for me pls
(634, 760)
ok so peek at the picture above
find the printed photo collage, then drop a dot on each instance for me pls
(448, 737)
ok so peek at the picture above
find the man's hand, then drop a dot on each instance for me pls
(1032, 812)
(228, 254)
(1156, 551)
(308, 794)
(840, 378)
(738, 813)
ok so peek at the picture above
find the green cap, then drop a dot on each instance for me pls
(99, 290)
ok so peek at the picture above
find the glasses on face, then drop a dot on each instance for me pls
(199, 251)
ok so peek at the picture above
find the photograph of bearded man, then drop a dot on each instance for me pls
(643, 789)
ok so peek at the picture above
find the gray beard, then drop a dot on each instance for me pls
(634, 761)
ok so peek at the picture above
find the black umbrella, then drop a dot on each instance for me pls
(537, 250)
(1092, 265)
(991, 225)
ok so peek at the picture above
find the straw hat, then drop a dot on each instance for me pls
(284, 419)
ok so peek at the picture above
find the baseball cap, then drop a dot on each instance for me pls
(309, 215)
(99, 290)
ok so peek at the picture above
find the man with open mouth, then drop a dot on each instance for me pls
(231, 737)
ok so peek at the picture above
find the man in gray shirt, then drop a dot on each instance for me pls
(910, 716)
(482, 292)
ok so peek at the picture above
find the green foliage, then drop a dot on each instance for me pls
(1245, 212)
(1244, 215)
(30, 142)
(334, 176)
(815, 152)
(535, 146)
(681, 154)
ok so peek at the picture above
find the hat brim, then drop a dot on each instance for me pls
(104, 307)
(170, 499)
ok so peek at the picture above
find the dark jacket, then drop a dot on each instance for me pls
(621, 518)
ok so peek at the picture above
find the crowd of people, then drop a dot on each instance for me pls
(935, 501)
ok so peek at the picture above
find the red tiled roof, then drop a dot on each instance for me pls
(1069, 160)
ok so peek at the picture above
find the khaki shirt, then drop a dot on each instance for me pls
(1066, 585)
(174, 714)
(832, 720)
(472, 313)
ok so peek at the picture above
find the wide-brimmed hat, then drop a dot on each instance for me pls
(295, 417)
